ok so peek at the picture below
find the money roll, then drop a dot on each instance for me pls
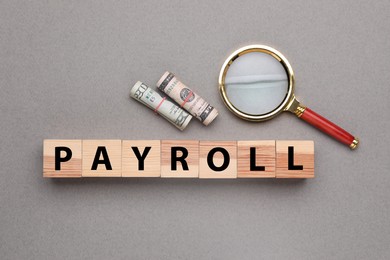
(155, 101)
(186, 98)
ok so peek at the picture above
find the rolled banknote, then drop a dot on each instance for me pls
(187, 99)
(166, 108)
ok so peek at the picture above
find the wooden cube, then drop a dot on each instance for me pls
(102, 158)
(294, 159)
(141, 158)
(256, 159)
(218, 159)
(179, 159)
(62, 158)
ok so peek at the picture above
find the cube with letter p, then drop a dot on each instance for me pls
(62, 158)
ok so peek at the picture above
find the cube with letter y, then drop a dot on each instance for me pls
(141, 158)
(62, 158)
(102, 158)
(295, 159)
(218, 160)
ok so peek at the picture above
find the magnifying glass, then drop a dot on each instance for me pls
(256, 83)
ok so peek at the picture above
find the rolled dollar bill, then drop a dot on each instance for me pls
(186, 98)
(155, 101)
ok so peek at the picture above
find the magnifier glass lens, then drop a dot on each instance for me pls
(256, 83)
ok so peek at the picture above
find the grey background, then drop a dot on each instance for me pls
(66, 70)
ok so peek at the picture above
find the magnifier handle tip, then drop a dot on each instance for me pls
(329, 128)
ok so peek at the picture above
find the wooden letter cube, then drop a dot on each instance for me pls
(218, 160)
(102, 158)
(179, 158)
(148, 164)
(62, 158)
(256, 159)
(294, 159)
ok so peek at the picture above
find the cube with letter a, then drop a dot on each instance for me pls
(102, 158)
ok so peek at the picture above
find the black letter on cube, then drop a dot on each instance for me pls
(106, 161)
(226, 160)
(182, 158)
(291, 165)
(58, 159)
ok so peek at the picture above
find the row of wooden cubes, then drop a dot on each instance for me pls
(178, 158)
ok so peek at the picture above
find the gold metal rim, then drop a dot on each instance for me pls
(354, 143)
(277, 55)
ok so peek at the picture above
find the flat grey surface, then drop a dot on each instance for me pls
(66, 70)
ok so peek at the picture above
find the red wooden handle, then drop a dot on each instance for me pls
(329, 128)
